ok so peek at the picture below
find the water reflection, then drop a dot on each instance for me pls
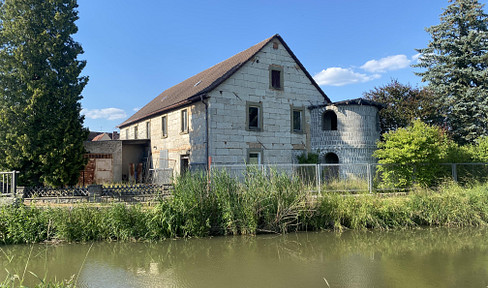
(410, 258)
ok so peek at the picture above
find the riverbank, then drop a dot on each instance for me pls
(275, 204)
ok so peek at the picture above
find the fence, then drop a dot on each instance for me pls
(369, 177)
(97, 193)
(8, 183)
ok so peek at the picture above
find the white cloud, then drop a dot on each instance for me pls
(337, 76)
(136, 109)
(415, 58)
(106, 113)
(389, 63)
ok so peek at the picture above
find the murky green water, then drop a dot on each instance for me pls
(412, 258)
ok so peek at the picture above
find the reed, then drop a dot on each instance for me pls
(260, 203)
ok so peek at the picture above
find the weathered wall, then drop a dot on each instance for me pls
(176, 143)
(230, 141)
(113, 147)
(354, 141)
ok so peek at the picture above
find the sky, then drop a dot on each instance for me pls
(137, 49)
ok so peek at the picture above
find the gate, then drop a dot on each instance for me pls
(8, 183)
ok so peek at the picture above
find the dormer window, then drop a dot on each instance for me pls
(276, 77)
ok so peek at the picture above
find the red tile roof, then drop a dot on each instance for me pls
(198, 85)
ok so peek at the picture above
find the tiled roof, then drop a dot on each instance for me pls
(192, 88)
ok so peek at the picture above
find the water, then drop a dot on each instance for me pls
(410, 258)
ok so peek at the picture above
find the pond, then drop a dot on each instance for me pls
(437, 257)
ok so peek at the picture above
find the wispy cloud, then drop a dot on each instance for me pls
(106, 113)
(389, 63)
(373, 69)
(136, 109)
(337, 76)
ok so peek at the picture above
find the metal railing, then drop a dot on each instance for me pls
(8, 182)
(369, 177)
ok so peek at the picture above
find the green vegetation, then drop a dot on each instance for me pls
(271, 203)
(403, 104)
(455, 64)
(414, 154)
(41, 129)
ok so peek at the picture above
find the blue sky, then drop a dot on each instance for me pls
(137, 49)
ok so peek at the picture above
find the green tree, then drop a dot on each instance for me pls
(403, 104)
(412, 154)
(41, 129)
(456, 68)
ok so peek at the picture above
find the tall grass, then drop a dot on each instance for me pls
(261, 203)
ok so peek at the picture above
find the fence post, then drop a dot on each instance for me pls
(454, 171)
(14, 183)
(370, 182)
(317, 178)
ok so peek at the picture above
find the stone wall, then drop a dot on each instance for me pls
(168, 149)
(354, 141)
(231, 141)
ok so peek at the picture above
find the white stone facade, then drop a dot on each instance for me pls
(354, 141)
(231, 141)
(278, 136)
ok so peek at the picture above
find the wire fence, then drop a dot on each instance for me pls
(369, 177)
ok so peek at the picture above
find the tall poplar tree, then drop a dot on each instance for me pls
(456, 63)
(41, 129)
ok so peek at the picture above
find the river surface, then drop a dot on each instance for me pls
(410, 258)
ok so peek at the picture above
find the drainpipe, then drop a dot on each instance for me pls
(206, 129)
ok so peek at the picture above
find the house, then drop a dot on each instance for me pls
(259, 106)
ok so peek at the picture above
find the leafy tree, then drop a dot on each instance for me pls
(403, 104)
(456, 63)
(412, 154)
(41, 129)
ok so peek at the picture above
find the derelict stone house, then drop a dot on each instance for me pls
(259, 106)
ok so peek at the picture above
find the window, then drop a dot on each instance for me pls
(184, 121)
(329, 120)
(275, 77)
(254, 156)
(148, 130)
(297, 119)
(126, 133)
(135, 132)
(164, 126)
(254, 116)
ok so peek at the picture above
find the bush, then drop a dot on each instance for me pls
(411, 153)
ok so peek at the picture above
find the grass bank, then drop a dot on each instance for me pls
(259, 204)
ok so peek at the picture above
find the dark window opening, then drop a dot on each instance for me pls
(330, 172)
(135, 132)
(164, 126)
(184, 164)
(329, 120)
(297, 121)
(253, 117)
(184, 120)
(276, 79)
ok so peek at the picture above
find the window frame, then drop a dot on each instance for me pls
(148, 130)
(258, 105)
(274, 67)
(184, 121)
(257, 151)
(301, 110)
(164, 126)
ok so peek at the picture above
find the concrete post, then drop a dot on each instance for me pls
(94, 192)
